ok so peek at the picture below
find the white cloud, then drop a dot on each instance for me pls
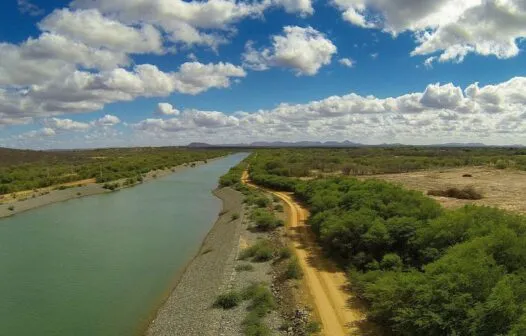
(82, 91)
(50, 56)
(302, 7)
(43, 132)
(450, 27)
(95, 30)
(107, 121)
(65, 125)
(166, 109)
(183, 21)
(26, 7)
(346, 62)
(305, 50)
(440, 112)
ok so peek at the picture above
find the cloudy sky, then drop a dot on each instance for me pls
(94, 73)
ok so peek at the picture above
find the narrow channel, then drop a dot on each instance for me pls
(100, 265)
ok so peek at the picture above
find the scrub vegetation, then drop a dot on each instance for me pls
(27, 170)
(421, 269)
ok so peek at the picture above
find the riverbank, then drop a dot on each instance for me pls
(47, 196)
(188, 309)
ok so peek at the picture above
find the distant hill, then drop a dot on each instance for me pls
(10, 156)
(281, 144)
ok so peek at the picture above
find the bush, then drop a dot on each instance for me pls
(293, 270)
(265, 220)
(235, 216)
(11, 208)
(467, 175)
(278, 207)
(261, 251)
(228, 300)
(244, 267)
(391, 261)
(312, 328)
(467, 193)
(262, 303)
(285, 253)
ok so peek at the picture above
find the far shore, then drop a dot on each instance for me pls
(48, 196)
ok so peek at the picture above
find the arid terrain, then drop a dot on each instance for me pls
(502, 188)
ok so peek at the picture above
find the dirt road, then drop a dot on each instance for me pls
(326, 283)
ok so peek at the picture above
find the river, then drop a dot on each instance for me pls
(101, 265)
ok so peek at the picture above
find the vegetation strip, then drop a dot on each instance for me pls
(423, 270)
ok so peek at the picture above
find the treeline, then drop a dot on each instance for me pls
(423, 270)
(314, 162)
(44, 169)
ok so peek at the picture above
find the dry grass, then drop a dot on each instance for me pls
(500, 188)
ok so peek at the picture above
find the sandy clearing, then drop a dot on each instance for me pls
(500, 188)
(326, 283)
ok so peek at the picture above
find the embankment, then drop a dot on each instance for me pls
(188, 310)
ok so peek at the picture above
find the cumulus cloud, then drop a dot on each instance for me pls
(166, 109)
(95, 30)
(43, 132)
(449, 27)
(81, 91)
(107, 121)
(440, 111)
(66, 125)
(302, 7)
(183, 21)
(346, 62)
(305, 50)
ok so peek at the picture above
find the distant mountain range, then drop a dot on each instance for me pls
(336, 144)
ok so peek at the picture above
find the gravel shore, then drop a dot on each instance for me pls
(47, 196)
(188, 310)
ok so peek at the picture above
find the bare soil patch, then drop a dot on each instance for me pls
(500, 188)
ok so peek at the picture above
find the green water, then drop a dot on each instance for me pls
(100, 265)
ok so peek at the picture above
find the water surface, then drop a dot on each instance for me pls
(99, 265)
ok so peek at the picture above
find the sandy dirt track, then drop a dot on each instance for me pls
(326, 283)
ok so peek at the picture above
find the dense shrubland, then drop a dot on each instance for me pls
(26, 170)
(421, 269)
(270, 166)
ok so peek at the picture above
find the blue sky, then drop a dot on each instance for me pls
(168, 72)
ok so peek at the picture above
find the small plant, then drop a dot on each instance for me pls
(467, 193)
(207, 251)
(285, 253)
(11, 208)
(278, 207)
(244, 268)
(262, 303)
(312, 328)
(261, 251)
(293, 270)
(79, 193)
(467, 175)
(228, 300)
(235, 216)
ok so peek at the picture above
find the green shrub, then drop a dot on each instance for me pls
(278, 207)
(467, 193)
(284, 253)
(312, 328)
(293, 270)
(261, 251)
(265, 220)
(235, 216)
(244, 267)
(228, 300)
(391, 261)
(11, 208)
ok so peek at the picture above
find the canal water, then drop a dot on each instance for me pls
(100, 265)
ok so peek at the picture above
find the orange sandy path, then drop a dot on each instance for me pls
(326, 283)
